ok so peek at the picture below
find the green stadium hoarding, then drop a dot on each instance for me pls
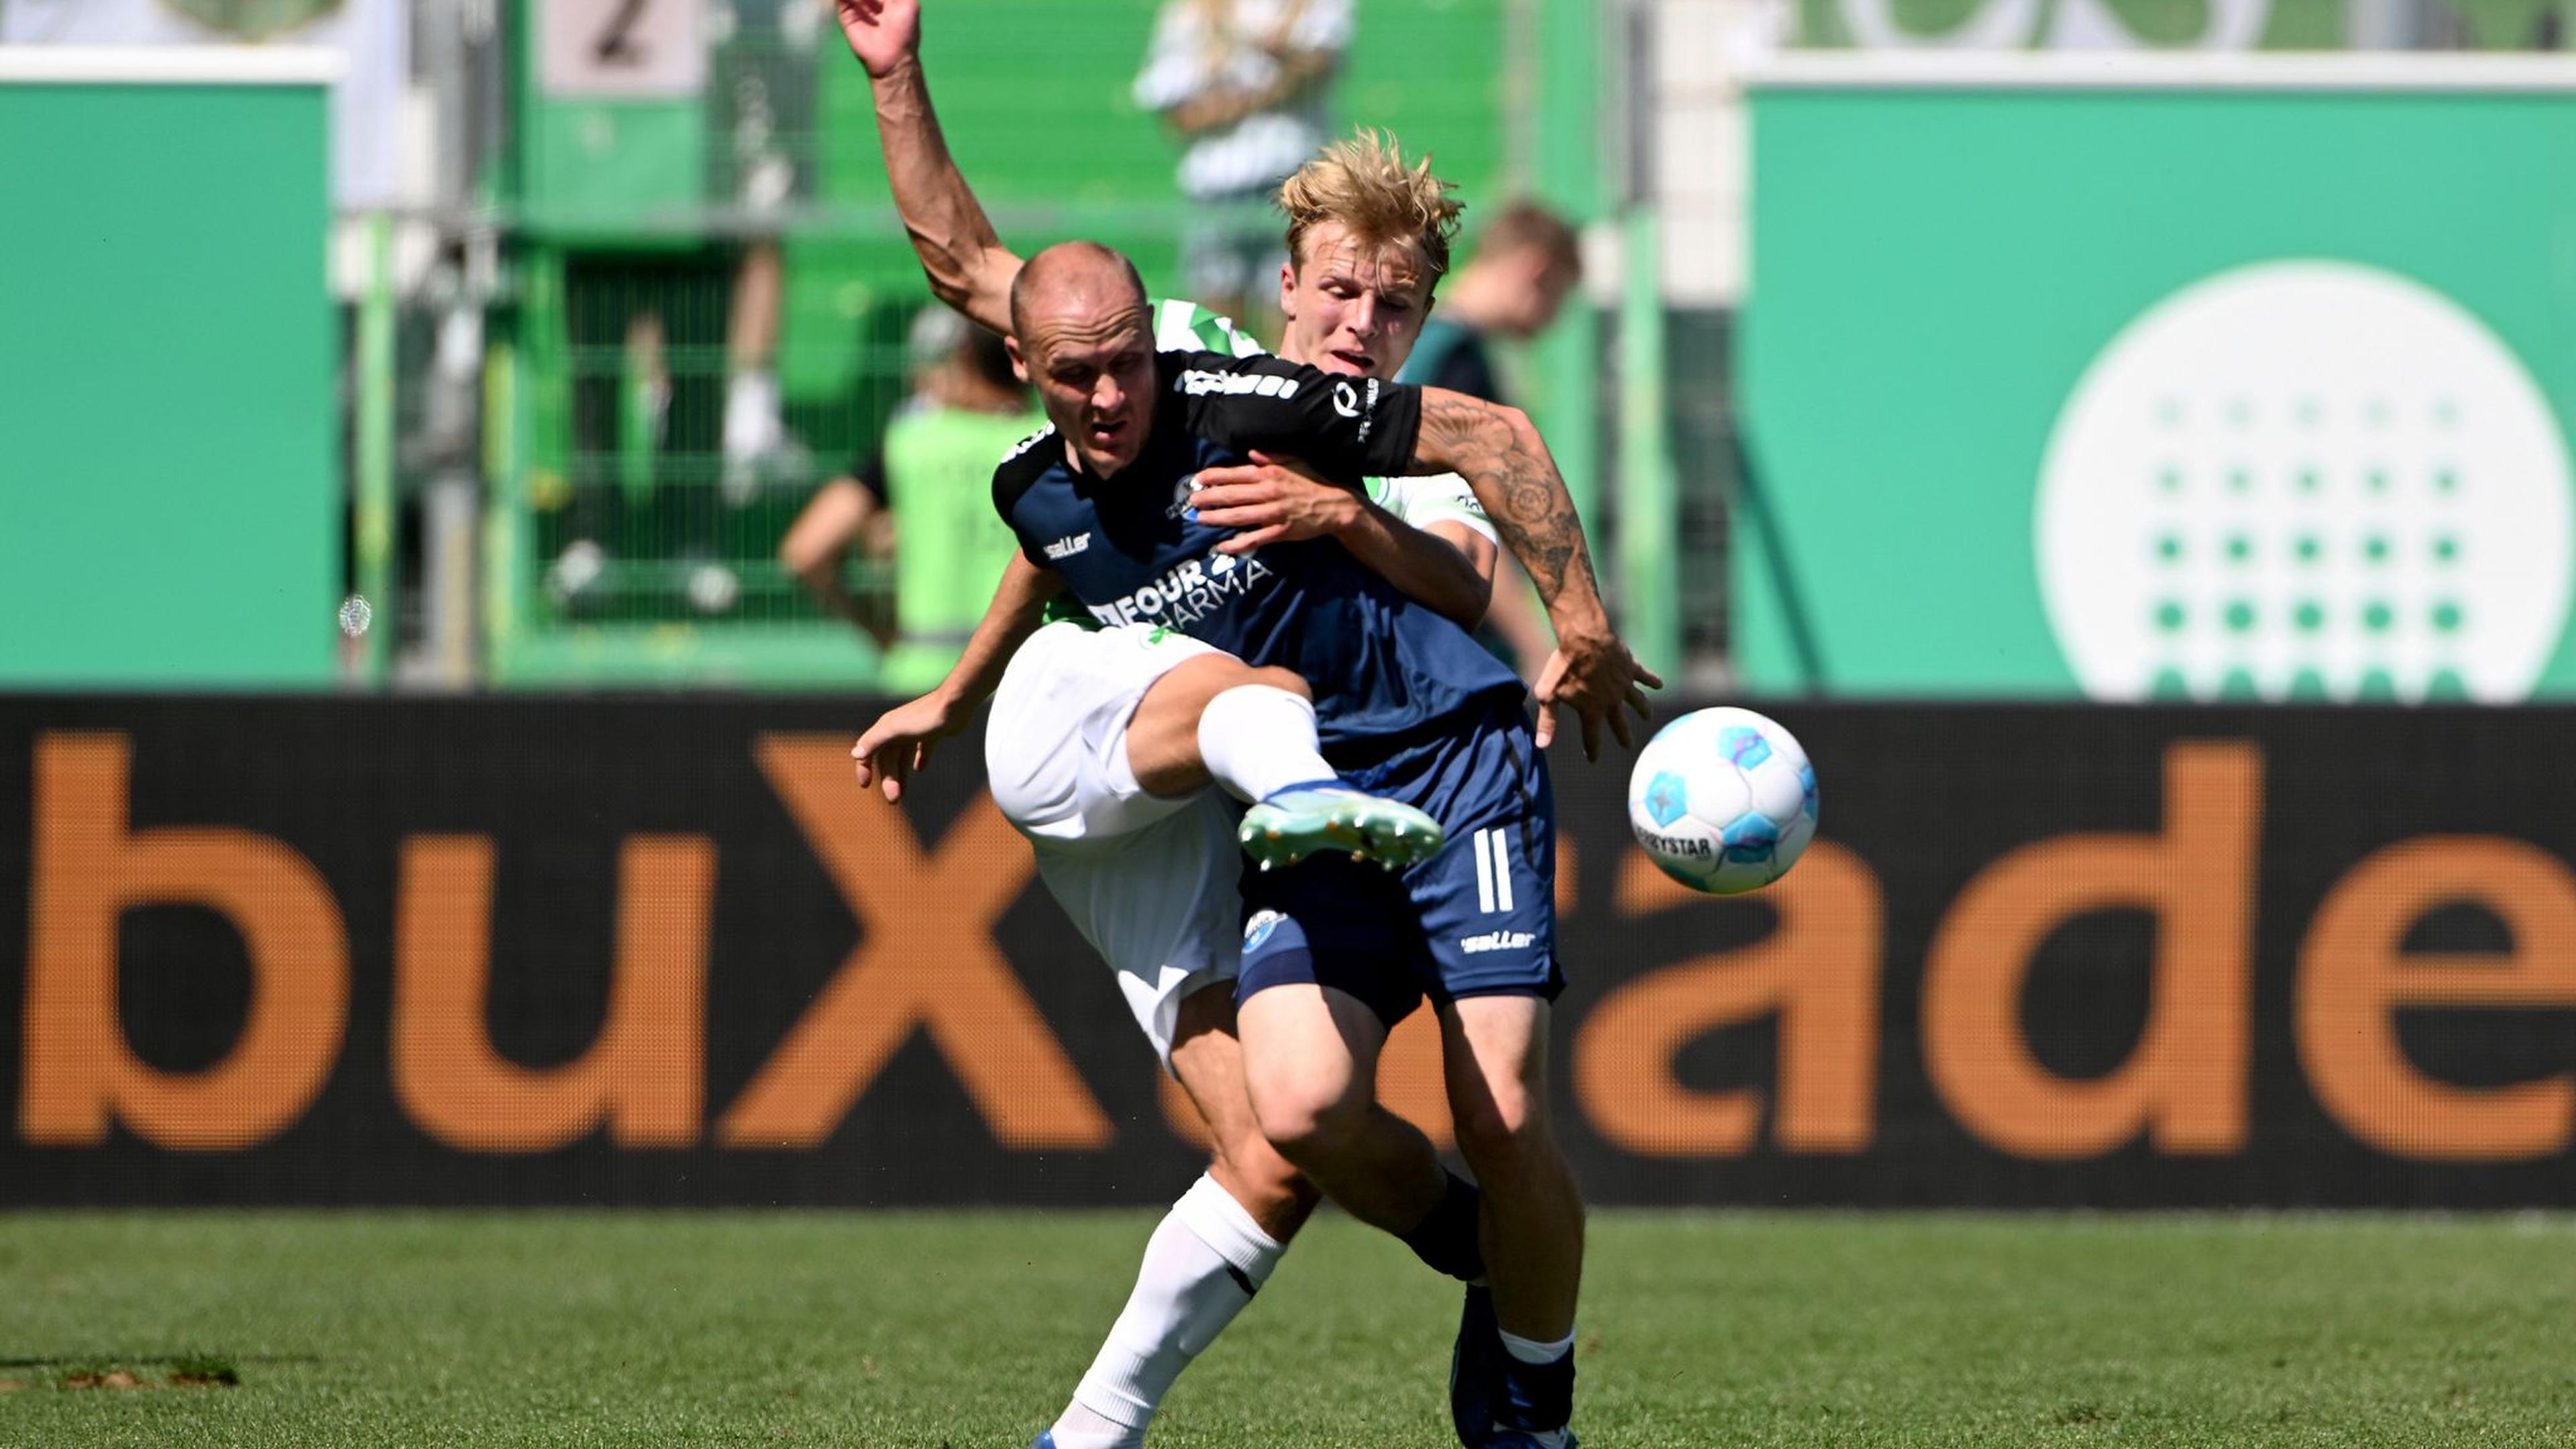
(168, 411)
(2155, 376)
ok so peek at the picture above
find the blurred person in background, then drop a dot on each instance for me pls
(923, 501)
(1526, 263)
(1242, 83)
(766, 58)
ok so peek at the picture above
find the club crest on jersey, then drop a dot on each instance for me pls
(1187, 592)
(1181, 492)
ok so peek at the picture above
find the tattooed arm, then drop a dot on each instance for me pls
(1351, 426)
(1502, 457)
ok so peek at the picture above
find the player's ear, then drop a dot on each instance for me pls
(1019, 364)
(1288, 287)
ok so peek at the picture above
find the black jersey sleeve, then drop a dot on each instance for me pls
(1018, 472)
(1350, 427)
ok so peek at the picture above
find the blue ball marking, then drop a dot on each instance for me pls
(1807, 786)
(1751, 840)
(1666, 798)
(1744, 745)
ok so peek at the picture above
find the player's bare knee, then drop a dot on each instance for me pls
(1268, 1185)
(1500, 1133)
(1307, 1122)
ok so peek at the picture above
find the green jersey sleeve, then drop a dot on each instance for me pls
(1437, 498)
(1184, 326)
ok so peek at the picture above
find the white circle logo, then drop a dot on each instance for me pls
(2305, 480)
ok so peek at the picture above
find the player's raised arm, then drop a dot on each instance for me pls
(901, 740)
(968, 266)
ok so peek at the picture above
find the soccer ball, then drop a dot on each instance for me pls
(1723, 800)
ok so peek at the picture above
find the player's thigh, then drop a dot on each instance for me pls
(1163, 736)
(1310, 1057)
(1494, 1051)
(1055, 749)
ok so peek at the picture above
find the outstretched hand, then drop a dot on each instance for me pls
(901, 740)
(1597, 678)
(882, 33)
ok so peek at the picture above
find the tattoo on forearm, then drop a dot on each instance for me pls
(1518, 485)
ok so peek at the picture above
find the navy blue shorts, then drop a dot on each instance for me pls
(1476, 919)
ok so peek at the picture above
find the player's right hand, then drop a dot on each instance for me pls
(882, 33)
(1595, 676)
(901, 740)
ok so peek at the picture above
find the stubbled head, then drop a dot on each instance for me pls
(1534, 260)
(1081, 336)
(1368, 238)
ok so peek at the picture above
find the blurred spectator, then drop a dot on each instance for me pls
(925, 501)
(1243, 83)
(1525, 264)
(768, 101)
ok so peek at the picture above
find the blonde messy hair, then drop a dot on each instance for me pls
(1364, 184)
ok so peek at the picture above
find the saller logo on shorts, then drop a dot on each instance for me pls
(1496, 941)
(1266, 384)
(1068, 547)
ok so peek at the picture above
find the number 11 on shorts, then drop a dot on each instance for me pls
(1493, 870)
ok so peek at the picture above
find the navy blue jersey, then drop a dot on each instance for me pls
(1132, 551)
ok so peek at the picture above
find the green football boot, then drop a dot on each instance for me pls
(1304, 820)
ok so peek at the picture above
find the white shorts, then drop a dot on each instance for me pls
(1151, 882)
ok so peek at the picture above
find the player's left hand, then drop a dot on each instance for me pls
(1595, 676)
(901, 740)
(1273, 500)
(883, 34)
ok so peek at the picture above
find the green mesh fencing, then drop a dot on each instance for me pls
(624, 545)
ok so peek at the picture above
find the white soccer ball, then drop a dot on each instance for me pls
(1723, 800)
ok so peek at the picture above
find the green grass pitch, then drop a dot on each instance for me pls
(967, 1329)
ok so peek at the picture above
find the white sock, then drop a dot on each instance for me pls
(751, 421)
(1530, 1350)
(1190, 1286)
(1257, 739)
